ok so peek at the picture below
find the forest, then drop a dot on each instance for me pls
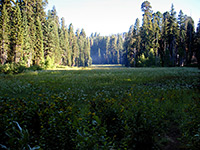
(31, 37)
(161, 40)
(61, 89)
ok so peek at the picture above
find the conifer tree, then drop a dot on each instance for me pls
(157, 17)
(27, 53)
(71, 41)
(38, 49)
(63, 44)
(55, 26)
(107, 50)
(172, 36)
(164, 43)
(4, 35)
(190, 35)
(197, 43)
(88, 59)
(120, 48)
(16, 35)
(147, 29)
(181, 38)
(48, 40)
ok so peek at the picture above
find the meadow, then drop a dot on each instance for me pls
(109, 107)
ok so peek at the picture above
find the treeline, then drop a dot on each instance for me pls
(107, 49)
(162, 40)
(29, 36)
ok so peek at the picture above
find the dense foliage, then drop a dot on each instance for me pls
(112, 108)
(107, 49)
(29, 36)
(162, 40)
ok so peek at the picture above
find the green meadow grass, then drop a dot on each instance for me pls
(107, 107)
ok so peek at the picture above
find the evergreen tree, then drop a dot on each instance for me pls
(197, 43)
(27, 53)
(147, 29)
(120, 48)
(88, 59)
(64, 43)
(172, 36)
(48, 43)
(157, 17)
(107, 55)
(164, 42)
(181, 38)
(55, 26)
(82, 47)
(16, 35)
(71, 38)
(190, 34)
(4, 35)
(38, 49)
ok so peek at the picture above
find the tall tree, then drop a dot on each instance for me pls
(190, 34)
(147, 28)
(181, 38)
(172, 36)
(197, 43)
(39, 51)
(27, 53)
(16, 35)
(4, 35)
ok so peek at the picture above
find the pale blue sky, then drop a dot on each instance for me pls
(115, 16)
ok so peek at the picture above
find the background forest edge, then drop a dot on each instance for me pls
(29, 37)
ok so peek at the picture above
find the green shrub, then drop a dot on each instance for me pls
(35, 68)
(12, 68)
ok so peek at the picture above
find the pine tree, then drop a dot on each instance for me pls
(48, 39)
(71, 38)
(27, 53)
(4, 35)
(157, 17)
(164, 42)
(16, 35)
(172, 36)
(88, 59)
(181, 38)
(28, 7)
(107, 50)
(63, 44)
(120, 48)
(128, 49)
(147, 29)
(38, 49)
(55, 26)
(190, 34)
(197, 43)
(82, 47)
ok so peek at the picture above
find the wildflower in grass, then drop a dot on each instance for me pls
(89, 113)
(80, 118)
(40, 95)
(93, 114)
